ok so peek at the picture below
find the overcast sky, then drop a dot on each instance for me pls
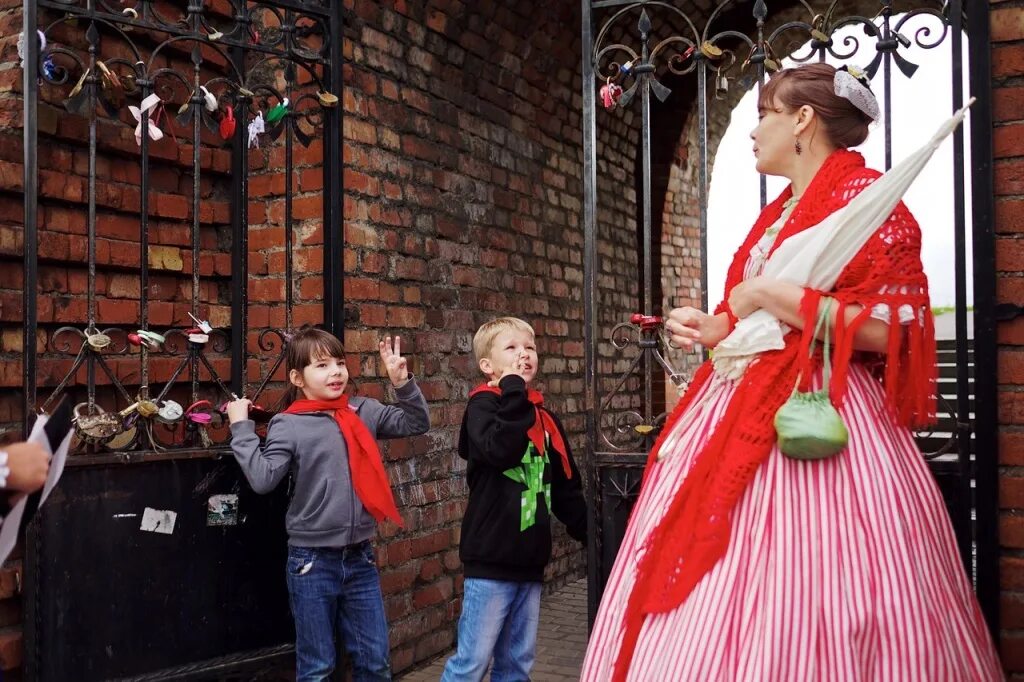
(920, 104)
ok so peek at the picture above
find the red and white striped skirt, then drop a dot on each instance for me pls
(843, 569)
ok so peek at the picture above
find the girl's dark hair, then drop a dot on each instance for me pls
(814, 85)
(306, 345)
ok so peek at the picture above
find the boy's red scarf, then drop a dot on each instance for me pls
(364, 461)
(694, 533)
(544, 423)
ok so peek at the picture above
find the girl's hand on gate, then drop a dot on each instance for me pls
(688, 326)
(396, 366)
(238, 410)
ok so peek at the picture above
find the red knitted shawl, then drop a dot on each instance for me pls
(694, 533)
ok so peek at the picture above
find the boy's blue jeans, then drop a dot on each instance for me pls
(337, 590)
(498, 618)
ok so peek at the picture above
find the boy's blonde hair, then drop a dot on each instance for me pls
(488, 331)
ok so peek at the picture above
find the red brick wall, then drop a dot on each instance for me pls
(1007, 31)
(462, 158)
(462, 201)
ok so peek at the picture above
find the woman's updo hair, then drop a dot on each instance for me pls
(814, 85)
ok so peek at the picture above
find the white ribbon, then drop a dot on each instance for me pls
(22, 47)
(256, 126)
(147, 105)
(209, 98)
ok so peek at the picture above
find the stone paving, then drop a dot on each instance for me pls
(561, 639)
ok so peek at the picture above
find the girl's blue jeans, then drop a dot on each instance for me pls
(337, 591)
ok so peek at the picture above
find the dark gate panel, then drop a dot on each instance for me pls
(643, 54)
(109, 601)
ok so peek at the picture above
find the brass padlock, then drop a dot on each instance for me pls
(147, 408)
(327, 99)
(96, 339)
(123, 439)
(97, 428)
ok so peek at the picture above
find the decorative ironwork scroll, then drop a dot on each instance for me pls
(238, 90)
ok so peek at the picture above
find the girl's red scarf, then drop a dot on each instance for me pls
(364, 461)
(544, 423)
(694, 533)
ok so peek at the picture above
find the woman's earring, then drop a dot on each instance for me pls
(799, 147)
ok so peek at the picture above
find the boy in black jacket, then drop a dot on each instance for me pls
(519, 470)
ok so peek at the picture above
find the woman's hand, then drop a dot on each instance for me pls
(748, 296)
(27, 464)
(687, 326)
(396, 366)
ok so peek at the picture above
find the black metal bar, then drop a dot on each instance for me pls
(289, 235)
(887, 78)
(985, 341)
(30, 89)
(30, 284)
(963, 394)
(239, 237)
(758, 59)
(702, 174)
(198, 104)
(90, 361)
(334, 291)
(147, 87)
(589, 290)
(645, 202)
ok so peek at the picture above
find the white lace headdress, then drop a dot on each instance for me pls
(852, 84)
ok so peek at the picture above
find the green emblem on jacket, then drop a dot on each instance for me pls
(531, 474)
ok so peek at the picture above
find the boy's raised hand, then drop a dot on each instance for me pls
(517, 367)
(394, 363)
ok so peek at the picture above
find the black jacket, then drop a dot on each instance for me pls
(504, 535)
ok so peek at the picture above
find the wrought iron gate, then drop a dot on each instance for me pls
(643, 54)
(208, 142)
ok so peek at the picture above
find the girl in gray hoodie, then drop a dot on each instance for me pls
(341, 490)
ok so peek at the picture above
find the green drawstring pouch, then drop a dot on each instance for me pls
(808, 426)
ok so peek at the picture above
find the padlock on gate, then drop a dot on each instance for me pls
(96, 339)
(610, 95)
(170, 412)
(199, 413)
(142, 407)
(97, 428)
(721, 87)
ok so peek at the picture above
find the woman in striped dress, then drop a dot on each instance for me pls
(740, 563)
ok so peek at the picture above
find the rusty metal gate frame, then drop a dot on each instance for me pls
(300, 39)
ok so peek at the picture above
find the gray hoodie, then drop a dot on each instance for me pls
(324, 509)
